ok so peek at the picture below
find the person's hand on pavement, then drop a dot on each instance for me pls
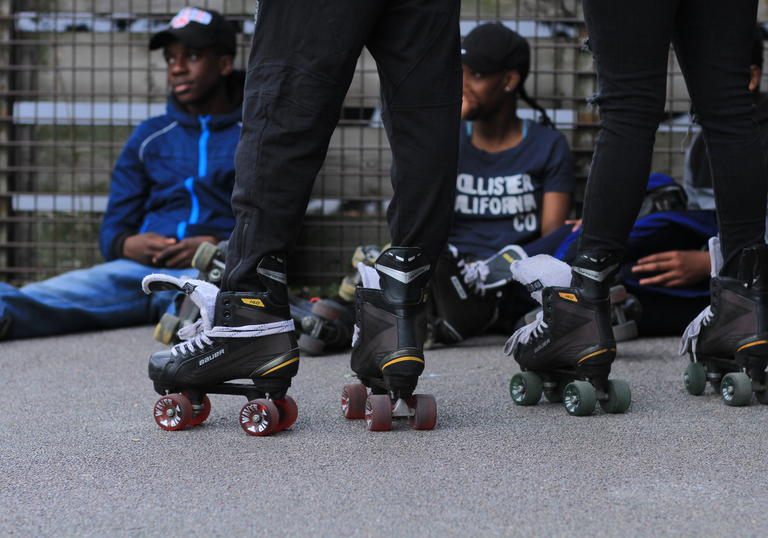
(676, 268)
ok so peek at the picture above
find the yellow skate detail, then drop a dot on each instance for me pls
(286, 363)
(568, 297)
(401, 359)
(751, 344)
(254, 302)
(598, 352)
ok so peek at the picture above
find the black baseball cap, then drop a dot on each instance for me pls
(492, 47)
(199, 28)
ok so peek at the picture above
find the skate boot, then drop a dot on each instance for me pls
(240, 335)
(209, 261)
(457, 309)
(567, 352)
(728, 342)
(387, 353)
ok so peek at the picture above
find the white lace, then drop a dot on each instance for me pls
(691, 334)
(355, 335)
(474, 275)
(524, 334)
(199, 337)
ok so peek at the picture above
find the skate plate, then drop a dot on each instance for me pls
(379, 411)
(734, 379)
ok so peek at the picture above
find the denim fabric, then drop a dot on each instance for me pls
(712, 40)
(302, 60)
(101, 297)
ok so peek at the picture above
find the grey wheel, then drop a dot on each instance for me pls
(204, 256)
(736, 389)
(311, 345)
(619, 397)
(579, 398)
(625, 331)
(525, 388)
(166, 329)
(695, 378)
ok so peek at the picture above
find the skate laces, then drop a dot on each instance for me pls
(691, 334)
(526, 333)
(203, 337)
(474, 274)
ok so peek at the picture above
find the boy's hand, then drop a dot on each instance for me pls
(143, 248)
(179, 255)
(676, 268)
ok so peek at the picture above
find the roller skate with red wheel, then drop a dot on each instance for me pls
(239, 336)
(387, 352)
(566, 353)
(323, 325)
(728, 341)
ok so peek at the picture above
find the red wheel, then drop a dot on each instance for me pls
(173, 412)
(378, 413)
(326, 309)
(259, 417)
(289, 412)
(202, 414)
(424, 409)
(353, 400)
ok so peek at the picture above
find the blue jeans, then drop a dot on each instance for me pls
(102, 297)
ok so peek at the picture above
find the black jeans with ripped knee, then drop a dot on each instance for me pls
(712, 40)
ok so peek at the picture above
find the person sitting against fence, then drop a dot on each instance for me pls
(170, 191)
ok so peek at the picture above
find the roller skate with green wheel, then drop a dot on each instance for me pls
(239, 336)
(566, 353)
(387, 348)
(728, 341)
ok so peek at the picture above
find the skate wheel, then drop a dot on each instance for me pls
(173, 412)
(695, 378)
(378, 413)
(736, 389)
(204, 256)
(166, 329)
(579, 398)
(554, 395)
(288, 411)
(424, 409)
(619, 397)
(625, 331)
(259, 417)
(353, 399)
(202, 414)
(525, 388)
(327, 309)
(311, 345)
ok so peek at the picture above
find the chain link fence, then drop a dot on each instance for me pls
(76, 77)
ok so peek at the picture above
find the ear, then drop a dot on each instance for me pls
(226, 65)
(754, 77)
(511, 81)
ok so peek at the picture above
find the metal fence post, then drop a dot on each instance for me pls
(6, 125)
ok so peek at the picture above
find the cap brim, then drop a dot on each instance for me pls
(479, 62)
(186, 35)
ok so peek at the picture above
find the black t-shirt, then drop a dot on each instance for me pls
(499, 195)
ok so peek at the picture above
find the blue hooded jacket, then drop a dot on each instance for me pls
(174, 177)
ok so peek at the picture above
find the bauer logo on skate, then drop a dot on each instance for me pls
(503, 196)
(210, 357)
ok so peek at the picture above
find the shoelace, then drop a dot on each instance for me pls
(474, 275)
(196, 335)
(693, 330)
(524, 334)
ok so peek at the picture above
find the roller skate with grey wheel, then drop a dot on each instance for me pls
(728, 342)
(566, 353)
(387, 352)
(239, 336)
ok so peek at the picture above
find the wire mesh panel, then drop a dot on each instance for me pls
(77, 76)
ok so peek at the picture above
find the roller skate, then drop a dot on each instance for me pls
(387, 354)
(567, 352)
(457, 309)
(366, 254)
(240, 335)
(494, 272)
(728, 342)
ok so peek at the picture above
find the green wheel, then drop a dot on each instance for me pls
(736, 389)
(695, 378)
(525, 388)
(619, 397)
(579, 398)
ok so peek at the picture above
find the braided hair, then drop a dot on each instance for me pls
(519, 58)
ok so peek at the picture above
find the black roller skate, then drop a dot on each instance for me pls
(323, 325)
(567, 352)
(387, 353)
(458, 310)
(240, 335)
(728, 342)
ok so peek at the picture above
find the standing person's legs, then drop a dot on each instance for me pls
(630, 41)
(713, 42)
(302, 61)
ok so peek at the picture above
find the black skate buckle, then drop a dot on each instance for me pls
(188, 288)
(536, 285)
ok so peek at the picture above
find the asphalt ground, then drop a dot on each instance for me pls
(80, 454)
